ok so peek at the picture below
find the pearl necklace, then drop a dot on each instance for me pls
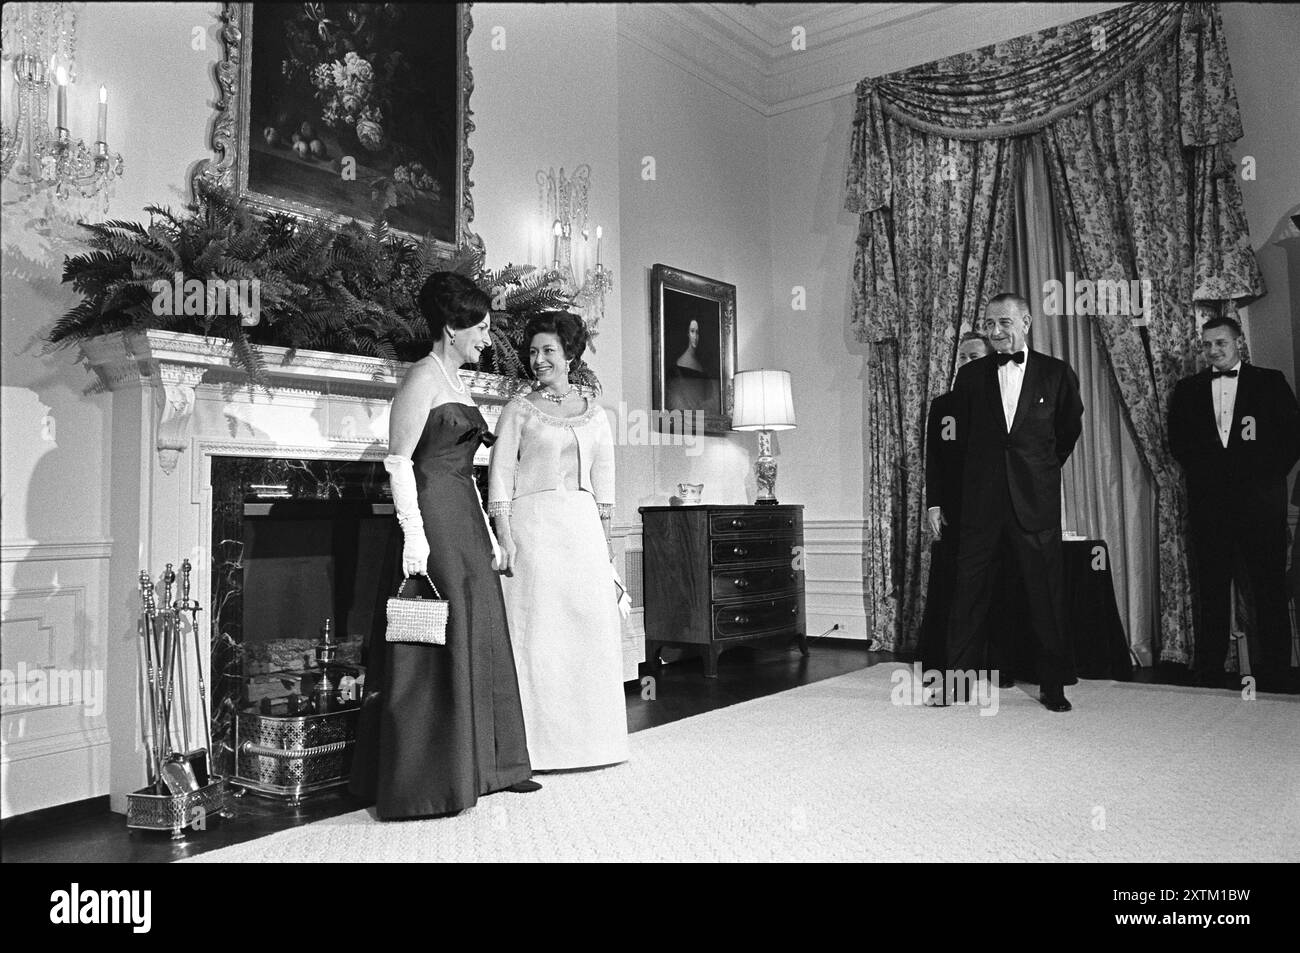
(558, 398)
(457, 385)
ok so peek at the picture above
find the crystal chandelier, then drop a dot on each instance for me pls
(40, 39)
(562, 208)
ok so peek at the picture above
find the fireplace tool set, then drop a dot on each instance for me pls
(183, 791)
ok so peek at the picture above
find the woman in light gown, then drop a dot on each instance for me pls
(551, 495)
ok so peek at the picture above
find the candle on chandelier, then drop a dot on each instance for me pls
(556, 231)
(101, 130)
(599, 232)
(61, 78)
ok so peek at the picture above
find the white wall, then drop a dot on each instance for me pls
(54, 507)
(1262, 40)
(547, 100)
(704, 212)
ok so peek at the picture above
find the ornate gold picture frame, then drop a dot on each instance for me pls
(693, 348)
(325, 110)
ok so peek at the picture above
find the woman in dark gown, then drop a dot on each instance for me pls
(441, 725)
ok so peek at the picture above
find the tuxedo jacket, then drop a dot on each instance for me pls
(943, 458)
(1263, 444)
(1027, 460)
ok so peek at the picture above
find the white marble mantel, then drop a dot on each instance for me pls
(178, 401)
(178, 367)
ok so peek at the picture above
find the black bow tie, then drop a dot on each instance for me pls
(1214, 374)
(1018, 357)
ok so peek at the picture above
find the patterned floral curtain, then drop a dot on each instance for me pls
(1136, 110)
(946, 230)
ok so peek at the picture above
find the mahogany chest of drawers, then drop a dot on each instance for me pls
(719, 576)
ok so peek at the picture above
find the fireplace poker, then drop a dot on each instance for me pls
(192, 606)
(185, 697)
(169, 656)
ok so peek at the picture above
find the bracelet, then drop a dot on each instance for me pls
(606, 510)
(499, 508)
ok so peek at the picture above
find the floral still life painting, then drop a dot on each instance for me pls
(353, 105)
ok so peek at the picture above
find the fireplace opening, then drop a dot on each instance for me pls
(306, 561)
(300, 548)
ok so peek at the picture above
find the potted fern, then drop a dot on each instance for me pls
(314, 285)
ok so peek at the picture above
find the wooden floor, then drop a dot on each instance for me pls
(90, 833)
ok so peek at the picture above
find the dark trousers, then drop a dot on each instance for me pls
(982, 548)
(932, 647)
(1233, 544)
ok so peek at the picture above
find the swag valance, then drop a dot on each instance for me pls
(1135, 112)
(1020, 86)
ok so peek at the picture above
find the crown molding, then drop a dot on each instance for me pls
(744, 50)
(673, 33)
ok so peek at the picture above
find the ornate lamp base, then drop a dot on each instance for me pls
(765, 470)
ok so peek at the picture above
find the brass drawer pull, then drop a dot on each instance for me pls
(737, 524)
(741, 620)
(740, 583)
(740, 551)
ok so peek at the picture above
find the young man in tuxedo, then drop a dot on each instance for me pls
(1019, 415)
(1235, 428)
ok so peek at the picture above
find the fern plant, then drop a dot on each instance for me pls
(348, 289)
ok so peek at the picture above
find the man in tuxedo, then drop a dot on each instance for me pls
(1235, 428)
(1019, 414)
(943, 483)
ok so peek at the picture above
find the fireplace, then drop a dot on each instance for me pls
(203, 467)
(296, 544)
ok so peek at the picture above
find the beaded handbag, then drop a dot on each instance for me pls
(415, 619)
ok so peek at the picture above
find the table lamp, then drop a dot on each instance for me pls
(762, 401)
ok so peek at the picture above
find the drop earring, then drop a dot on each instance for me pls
(451, 337)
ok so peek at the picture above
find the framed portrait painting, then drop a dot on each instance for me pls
(332, 110)
(693, 346)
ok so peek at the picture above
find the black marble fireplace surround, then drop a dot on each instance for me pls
(293, 542)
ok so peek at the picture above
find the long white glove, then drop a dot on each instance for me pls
(415, 548)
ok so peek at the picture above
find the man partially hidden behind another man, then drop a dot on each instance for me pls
(1235, 428)
(1018, 416)
(943, 488)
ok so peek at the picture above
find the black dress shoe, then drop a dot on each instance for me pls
(525, 787)
(1055, 701)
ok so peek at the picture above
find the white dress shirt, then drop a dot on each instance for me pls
(1011, 377)
(1225, 400)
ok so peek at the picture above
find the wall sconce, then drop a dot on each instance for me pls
(41, 39)
(565, 245)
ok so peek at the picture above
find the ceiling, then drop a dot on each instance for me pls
(747, 50)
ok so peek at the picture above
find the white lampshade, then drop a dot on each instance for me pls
(762, 401)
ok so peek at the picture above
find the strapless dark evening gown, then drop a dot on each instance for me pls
(442, 724)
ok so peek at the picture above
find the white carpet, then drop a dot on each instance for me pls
(834, 771)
